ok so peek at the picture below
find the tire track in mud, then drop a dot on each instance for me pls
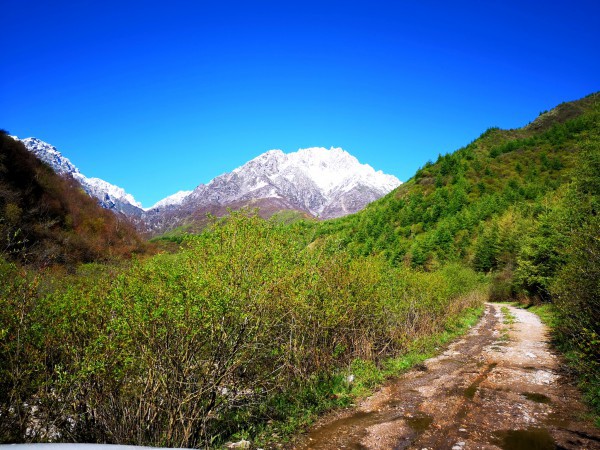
(499, 387)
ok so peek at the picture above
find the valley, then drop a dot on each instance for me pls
(249, 324)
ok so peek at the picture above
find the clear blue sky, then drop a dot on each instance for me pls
(161, 96)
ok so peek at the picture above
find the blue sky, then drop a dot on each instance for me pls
(161, 96)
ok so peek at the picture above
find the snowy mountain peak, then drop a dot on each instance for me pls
(330, 169)
(50, 155)
(104, 190)
(271, 153)
(323, 182)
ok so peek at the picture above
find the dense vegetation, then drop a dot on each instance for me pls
(187, 349)
(574, 281)
(47, 219)
(253, 325)
(453, 210)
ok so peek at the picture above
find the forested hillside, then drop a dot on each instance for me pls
(445, 212)
(252, 327)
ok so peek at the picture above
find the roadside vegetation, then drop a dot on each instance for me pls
(243, 326)
(250, 328)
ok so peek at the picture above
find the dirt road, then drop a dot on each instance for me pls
(500, 387)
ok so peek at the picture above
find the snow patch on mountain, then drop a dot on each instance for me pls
(329, 169)
(172, 200)
(100, 188)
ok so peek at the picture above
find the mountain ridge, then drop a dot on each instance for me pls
(109, 196)
(320, 182)
(46, 218)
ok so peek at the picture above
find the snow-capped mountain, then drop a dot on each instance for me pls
(109, 196)
(314, 181)
(324, 183)
(50, 155)
(320, 182)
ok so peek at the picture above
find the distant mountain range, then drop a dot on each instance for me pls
(314, 182)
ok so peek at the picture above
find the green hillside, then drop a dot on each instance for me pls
(444, 212)
(521, 205)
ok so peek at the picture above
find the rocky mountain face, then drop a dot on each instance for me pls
(324, 183)
(315, 181)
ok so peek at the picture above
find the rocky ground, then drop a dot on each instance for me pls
(500, 387)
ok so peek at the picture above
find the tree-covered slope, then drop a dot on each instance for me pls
(443, 212)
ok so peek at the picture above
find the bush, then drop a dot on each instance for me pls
(576, 287)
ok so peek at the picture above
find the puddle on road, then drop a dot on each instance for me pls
(353, 428)
(535, 397)
(529, 439)
(348, 432)
(420, 423)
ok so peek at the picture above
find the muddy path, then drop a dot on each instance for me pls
(499, 387)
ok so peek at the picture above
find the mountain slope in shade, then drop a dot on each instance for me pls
(47, 219)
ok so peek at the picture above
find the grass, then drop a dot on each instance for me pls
(429, 346)
(546, 313)
(509, 318)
